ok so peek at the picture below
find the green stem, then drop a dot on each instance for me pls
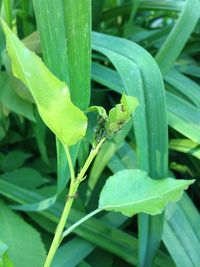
(8, 12)
(71, 228)
(61, 225)
(72, 192)
(90, 158)
(69, 159)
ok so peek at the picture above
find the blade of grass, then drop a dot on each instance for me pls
(185, 146)
(167, 5)
(184, 248)
(75, 251)
(179, 35)
(150, 125)
(193, 71)
(183, 117)
(25, 8)
(97, 7)
(191, 213)
(77, 19)
(184, 85)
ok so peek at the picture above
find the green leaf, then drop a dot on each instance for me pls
(25, 247)
(56, 57)
(78, 26)
(132, 191)
(14, 160)
(12, 101)
(120, 114)
(179, 35)
(150, 125)
(97, 7)
(24, 177)
(96, 231)
(72, 252)
(182, 116)
(67, 50)
(184, 248)
(185, 146)
(50, 94)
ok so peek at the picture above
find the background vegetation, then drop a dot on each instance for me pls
(141, 48)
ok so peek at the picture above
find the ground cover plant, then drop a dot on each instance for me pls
(92, 125)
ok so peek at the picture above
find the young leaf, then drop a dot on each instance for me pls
(132, 191)
(52, 96)
(120, 114)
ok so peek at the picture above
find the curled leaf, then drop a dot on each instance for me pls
(120, 114)
(51, 95)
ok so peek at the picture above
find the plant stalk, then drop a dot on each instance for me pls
(60, 227)
(75, 182)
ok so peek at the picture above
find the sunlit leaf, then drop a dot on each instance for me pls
(50, 94)
(132, 191)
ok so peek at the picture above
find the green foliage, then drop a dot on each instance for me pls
(25, 247)
(132, 192)
(13, 160)
(120, 114)
(108, 125)
(55, 107)
(147, 50)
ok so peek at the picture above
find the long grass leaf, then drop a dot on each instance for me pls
(179, 35)
(150, 125)
(184, 85)
(167, 5)
(77, 22)
(184, 248)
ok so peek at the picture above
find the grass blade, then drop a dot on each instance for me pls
(184, 248)
(130, 58)
(179, 35)
(184, 86)
(185, 146)
(77, 14)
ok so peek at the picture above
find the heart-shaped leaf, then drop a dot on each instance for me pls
(51, 96)
(132, 191)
